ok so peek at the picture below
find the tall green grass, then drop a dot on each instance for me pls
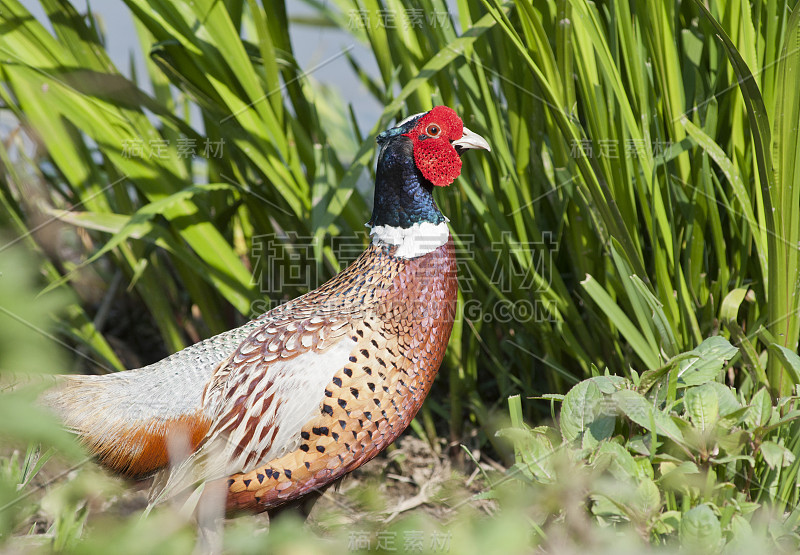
(622, 140)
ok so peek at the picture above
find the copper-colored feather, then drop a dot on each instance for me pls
(400, 343)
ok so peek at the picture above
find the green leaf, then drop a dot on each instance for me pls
(776, 423)
(733, 442)
(788, 358)
(729, 310)
(700, 530)
(579, 409)
(642, 412)
(728, 314)
(745, 205)
(601, 428)
(617, 460)
(668, 522)
(776, 455)
(533, 449)
(534, 453)
(609, 384)
(662, 324)
(726, 400)
(651, 377)
(742, 537)
(627, 329)
(702, 404)
(734, 418)
(784, 198)
(584, 409)
(137, 226)
(760, 410)
(647, 499)
(711, 356)
(515, 411)
(638, 301)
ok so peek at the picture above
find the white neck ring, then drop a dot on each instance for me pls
(417, 240)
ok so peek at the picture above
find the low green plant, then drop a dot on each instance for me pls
(673, 453)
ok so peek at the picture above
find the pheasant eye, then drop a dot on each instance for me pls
(433, 130)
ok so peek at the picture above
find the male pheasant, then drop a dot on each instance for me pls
(314, 388)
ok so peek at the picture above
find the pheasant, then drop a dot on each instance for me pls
(292, 401)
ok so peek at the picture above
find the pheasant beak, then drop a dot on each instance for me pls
(470, 139)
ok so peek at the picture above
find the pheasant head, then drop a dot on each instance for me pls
(422, 152)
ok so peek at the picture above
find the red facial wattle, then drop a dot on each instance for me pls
(435, 157)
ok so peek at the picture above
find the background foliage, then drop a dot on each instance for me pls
(641, 196)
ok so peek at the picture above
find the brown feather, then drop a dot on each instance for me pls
(399, 350)
(139, 450)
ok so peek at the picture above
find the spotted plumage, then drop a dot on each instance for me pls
(316, 387)
(398, 346)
